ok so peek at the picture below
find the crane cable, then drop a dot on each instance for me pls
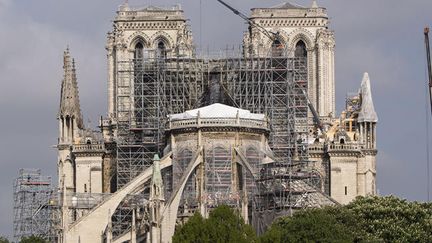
(428, 74)
(427, 144)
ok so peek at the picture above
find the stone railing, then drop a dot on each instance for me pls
(344, 147)
(218, 122)
(87, 147)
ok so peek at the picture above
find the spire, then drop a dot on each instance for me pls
(314, 4)
(69, 98)
(367, 112)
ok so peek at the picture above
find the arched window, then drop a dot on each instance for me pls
(300, 50)
(253, 157)
(277, 48)
(301, 65)
(180, 164)
(218, 170)
(161, 50)
(139, 51)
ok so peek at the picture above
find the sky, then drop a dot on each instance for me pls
(383, 38)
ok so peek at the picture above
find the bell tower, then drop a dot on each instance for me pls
(143, 35)
(299, 32)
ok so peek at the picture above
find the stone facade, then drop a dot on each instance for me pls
(342, 151)
(293, 25)
(152, 30)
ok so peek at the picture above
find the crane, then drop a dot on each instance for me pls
(274, 36)
(270, 34)
(428, 56)
(315, 115)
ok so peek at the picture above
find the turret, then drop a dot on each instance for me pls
(157, 200)
(367, 118)
(69, 116)
(70, 121)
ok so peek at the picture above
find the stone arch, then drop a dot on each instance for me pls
(161, 36)
(69, 172)
(252, 152)
(137, 37)
(283, 37)
(303, 35)
(218, 171)
(182, 158)
(253, 157)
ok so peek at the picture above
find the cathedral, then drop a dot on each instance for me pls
(256, 130)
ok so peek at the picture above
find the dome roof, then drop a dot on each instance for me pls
(217, 111)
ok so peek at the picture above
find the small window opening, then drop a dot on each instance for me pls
(277, 48)
(342, 141)
(139, 51)
(300, 50)
(88, 141)
(346, 190)
(85, 187)
(161, 50)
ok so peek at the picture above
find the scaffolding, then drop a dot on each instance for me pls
(150, 89)
(35, 206)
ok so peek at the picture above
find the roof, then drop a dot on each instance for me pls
(367, 110)
(69, 97)
(217, 110)
(288, 5)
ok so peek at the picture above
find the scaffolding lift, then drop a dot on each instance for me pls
(35, 206)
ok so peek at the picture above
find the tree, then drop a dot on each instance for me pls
(330, 224)
(223, 225)
(4, 240)
(392, 219)
(366, 219)
(33, 239)
(194, 230)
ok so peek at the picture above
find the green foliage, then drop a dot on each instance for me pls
(394, 220)
(193, 231)
(330, 224)
(33, 239)
(4, 240)
(367, 219)
(223, 225)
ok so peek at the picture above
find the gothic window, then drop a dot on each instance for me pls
(300, 50)
(139, 51)
(218, 170)
(277, 48)
(301, 77)
(253, 157)
(161, 50)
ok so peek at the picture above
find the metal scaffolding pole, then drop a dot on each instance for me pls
(35, 206)
(150, 89)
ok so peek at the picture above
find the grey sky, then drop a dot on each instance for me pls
(381, 37)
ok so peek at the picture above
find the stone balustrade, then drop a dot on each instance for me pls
(344, 147)
(218, 122)
(87, 147)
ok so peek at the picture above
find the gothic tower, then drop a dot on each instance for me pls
(300, 32)
(70, 121)
(142, 34)
(367, 120)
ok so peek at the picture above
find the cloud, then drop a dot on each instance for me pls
(381, 37)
